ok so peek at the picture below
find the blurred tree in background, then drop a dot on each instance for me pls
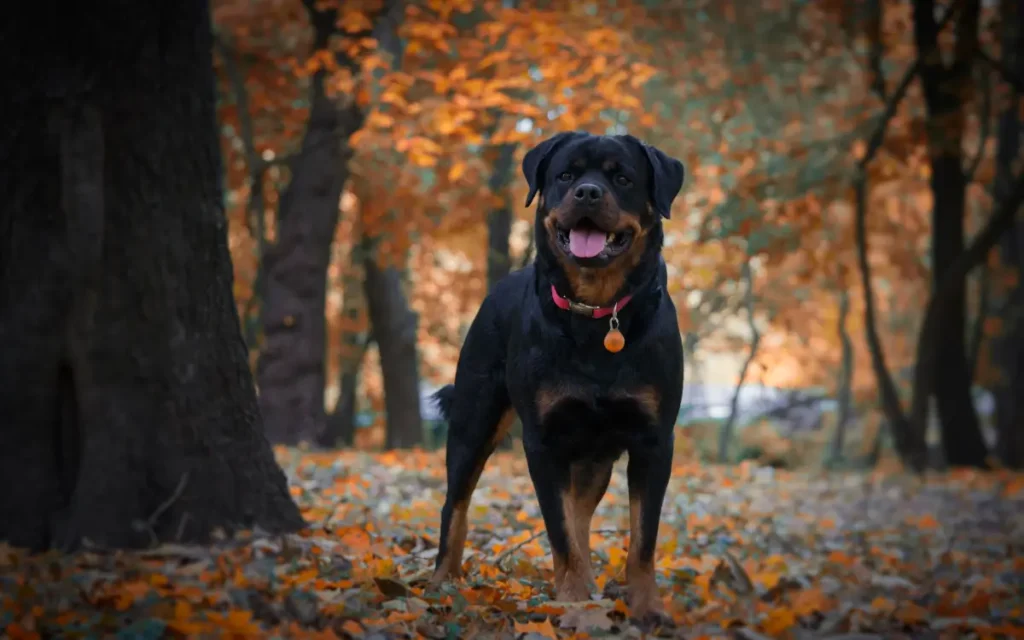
(372, 153)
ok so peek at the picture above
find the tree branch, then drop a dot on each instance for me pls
(986, 128)
(877, 48)
(978, 331)
(246, 129)
(878, 137)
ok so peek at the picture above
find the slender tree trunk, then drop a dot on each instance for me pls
(394, 328)
(726, 430)
(499, 228)
(291, 366)
(909, 444)
(499, 220)
(1008, 348)
(947, 91)
(877, 44)
(844, 393)
(128, 414)
(978, 327)
(256, 218)
(393, 323)
(341, 422)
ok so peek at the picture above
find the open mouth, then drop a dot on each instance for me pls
(585, 241)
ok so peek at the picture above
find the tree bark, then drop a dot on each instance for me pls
(947, 91)
(127, 409)
(394, 328)
(1008, 348)
(291, 366)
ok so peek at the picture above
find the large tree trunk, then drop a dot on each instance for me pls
(946, 90)
(1008, 348)
(394, 329)
(291, 371)
(127, 410)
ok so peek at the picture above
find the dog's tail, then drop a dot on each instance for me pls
(444, 398)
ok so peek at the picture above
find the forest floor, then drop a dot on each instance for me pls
(744, 552)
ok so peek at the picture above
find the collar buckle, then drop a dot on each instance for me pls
(582, 309)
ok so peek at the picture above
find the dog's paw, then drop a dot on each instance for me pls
(442, 575)
(573, 587)
(645, 606)
(656, 619)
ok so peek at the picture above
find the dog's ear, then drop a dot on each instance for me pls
(667, 176)
(535, 161)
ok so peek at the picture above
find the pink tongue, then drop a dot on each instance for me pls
(586, 243)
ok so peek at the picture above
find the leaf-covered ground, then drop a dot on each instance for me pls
(744, 552)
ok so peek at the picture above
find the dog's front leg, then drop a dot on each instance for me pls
(648, 474)
(569, 494)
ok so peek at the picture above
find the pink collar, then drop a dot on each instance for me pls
(586, 309)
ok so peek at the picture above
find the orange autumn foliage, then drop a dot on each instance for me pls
(770, 130)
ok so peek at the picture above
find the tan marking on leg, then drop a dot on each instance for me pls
(504, 424)
(642, 588)
(451, 564)
(574, 578)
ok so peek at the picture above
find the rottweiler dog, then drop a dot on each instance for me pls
(584, 346)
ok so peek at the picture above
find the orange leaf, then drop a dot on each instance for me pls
(352, 628)
(541, 628)
(778, 620)
(548, 609)
(911, 614)
(457, 171)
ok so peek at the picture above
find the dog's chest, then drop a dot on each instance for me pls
(580, 421)
(582, 407)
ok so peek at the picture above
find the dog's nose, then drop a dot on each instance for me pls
(588, 193)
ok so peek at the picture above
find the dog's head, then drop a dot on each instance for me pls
(600, 195)
(600, 199)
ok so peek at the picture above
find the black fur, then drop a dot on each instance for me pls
(521, 345)
(444, 398)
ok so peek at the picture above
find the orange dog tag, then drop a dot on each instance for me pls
(614, 341)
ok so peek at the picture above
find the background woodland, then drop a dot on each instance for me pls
(374, 194)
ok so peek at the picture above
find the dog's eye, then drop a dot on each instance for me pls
(622, 180)
(565, 176)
